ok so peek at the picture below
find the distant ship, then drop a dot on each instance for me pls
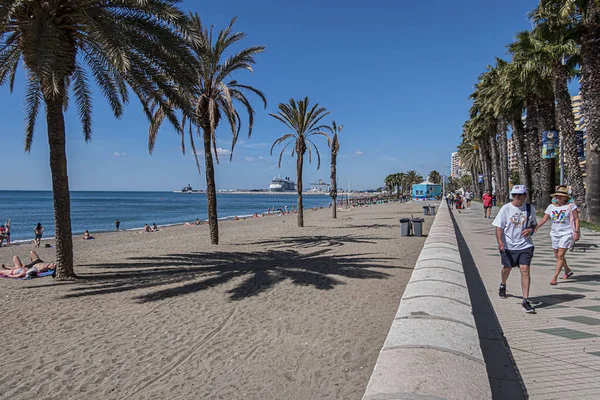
(188, 189)
(280, 184)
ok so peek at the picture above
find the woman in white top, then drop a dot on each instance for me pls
(565, 229)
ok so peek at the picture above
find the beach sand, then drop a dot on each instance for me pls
(273, 312)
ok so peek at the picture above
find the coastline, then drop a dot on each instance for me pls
(274, 311)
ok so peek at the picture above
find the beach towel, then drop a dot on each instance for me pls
(39, 275)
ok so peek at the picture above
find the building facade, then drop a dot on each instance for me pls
(455, 166)
(513, 156)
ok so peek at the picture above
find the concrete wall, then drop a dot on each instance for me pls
(432, 349)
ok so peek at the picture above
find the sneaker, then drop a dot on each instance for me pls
(527, 307)
(502, 291)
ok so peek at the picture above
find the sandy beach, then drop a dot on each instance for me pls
(273, 312)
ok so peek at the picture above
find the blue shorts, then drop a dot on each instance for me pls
(515, 258)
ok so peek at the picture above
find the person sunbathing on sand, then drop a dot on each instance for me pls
(36, 266)
(154, 228)
(87, 236)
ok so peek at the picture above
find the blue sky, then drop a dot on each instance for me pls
(396, 74)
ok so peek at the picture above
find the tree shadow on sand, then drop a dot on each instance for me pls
(197, 271)
(317, 241)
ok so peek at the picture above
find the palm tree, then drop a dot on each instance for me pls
(335, 148)
(399, 180)
(210, 98)
(412, 177)
(536, 81)
(555, 43)
(120, 43)
(435, 177)
(304, 123)
(389, 182)
(584, 16)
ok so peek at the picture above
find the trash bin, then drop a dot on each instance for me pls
(431, 210)
(417, 226)
(404, 226)
(425, 210)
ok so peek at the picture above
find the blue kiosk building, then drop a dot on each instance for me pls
(426, 191)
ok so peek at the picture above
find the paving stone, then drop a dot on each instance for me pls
(575, 289)
(567, 333)
(591, 308)
(582, 320)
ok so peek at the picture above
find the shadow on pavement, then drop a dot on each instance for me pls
(554, 299)
(504, 376)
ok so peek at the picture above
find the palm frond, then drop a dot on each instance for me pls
(83, 99)
(33, 98)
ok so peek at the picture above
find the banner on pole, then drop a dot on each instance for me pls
(549, 144)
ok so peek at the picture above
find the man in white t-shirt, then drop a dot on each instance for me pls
(515, 224)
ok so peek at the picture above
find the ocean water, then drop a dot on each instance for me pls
(97, 211)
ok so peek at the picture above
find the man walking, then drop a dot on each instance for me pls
(515, 224)
(487, 205)
(468, 197)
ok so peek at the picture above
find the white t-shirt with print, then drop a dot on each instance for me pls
(511, 220)
(561, 218)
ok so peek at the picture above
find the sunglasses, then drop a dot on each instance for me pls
(518, 194)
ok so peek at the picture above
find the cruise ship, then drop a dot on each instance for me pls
(279, 184)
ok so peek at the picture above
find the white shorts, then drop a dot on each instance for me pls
(562, 242)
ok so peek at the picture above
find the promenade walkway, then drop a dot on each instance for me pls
(554, 354)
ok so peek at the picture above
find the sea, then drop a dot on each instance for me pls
(97, 211)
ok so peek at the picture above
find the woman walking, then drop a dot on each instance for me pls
(38, 231)
(565, 229)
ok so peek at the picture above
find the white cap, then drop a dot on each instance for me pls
(518, 189)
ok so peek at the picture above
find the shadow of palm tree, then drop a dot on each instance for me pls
(370, 226)
(317, 241)
(194, 272)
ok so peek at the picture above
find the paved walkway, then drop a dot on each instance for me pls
(555, 353)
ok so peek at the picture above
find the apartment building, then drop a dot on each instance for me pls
(455, 166)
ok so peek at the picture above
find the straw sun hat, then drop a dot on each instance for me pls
(561, 191)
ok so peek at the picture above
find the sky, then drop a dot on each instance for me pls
(396, 75)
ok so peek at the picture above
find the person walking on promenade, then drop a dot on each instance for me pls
(468, 197)
(487, 204)
(458, 202)
(515, 224)
(38, 231)
(565, 229)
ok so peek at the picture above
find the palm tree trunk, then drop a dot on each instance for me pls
(299, 163)
(60, 188)
(495, 161)
(486, 164)
(546, 122)
(590, 70)
(333, 192)
(502, 195)
(211, 191)
(566, 124)
(533, 140)
(518, 137)
(477, 188)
